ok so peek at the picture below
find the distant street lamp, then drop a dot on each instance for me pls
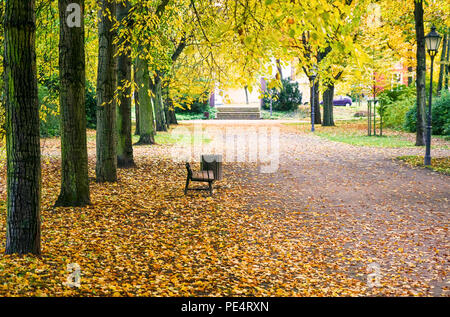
(312, 77)
(432, 41)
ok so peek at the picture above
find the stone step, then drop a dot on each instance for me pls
(237, 109)
(238, 115)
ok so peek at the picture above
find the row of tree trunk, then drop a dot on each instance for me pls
(114, 139)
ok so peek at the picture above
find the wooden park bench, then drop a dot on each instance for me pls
(206, 176)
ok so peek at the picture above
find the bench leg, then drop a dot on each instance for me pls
(187, 186)
(210, 188)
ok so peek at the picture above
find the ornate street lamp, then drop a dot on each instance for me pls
(312, 76)
(432, 41)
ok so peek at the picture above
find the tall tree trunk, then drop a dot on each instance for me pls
(246, 95)
(146, 118)
(442, 66)
(447, 68)
(136, 101)
(106, 168)
(159, 110)
(74, 158)
(23, 229)
(328, 96)
(124, 140)
(279, 68)
(171, 118)
(421, 72)
(317, 118)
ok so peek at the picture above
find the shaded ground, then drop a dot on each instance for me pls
(312, 228)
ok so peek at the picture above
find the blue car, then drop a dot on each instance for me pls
(341, 101)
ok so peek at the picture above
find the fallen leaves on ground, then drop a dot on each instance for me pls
(306, 230)
(438, 164)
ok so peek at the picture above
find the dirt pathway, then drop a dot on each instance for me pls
(343, 207)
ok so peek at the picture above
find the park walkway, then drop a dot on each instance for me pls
(339, 208)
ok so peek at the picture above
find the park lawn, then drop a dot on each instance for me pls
(364, 140)
(438, 164)
(354, 132)
(177, 137)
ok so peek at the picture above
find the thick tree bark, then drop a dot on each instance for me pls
(23, 230)
(328, 96)
(317, 118)
(124, 140)
(171, 117)
(160, 117)
(442, 66)
(106, 167)
(136, 102)
(246, 95)
(420, 72)
(146, 118)
(74, 158)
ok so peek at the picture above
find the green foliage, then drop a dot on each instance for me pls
(402, 92)
(198, 105)
(49, 123)
(91, 106)
(395, 113)
(286, 99)
(440, 116)
(49, 108)
(395, 103)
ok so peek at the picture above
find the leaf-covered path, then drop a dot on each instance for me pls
(310, 229)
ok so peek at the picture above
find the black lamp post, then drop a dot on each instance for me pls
(312, 77)
(432, 41)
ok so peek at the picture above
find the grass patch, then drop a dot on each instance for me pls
(172, 137)
(438, 164)
(189, 116)
(196, 116)
(354, 132)
(282, 115)
(364, 140)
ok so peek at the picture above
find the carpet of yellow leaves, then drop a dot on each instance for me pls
(259, 235)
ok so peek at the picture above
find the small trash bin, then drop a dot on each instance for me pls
(213, 163)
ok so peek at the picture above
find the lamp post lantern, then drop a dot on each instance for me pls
(432, 41)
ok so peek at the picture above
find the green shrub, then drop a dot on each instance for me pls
(440, 116)
(49, 123)
(395, 113)
(91, 106)
(48, 89)
(286, 99)
(402, 92)
(199, 105)
(395, 103)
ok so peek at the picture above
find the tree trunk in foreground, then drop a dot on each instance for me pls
(328, 96)
(106, 168)
(146, 119)
(74, 158)
(420, 72)
(23, 229)
(124, 140)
